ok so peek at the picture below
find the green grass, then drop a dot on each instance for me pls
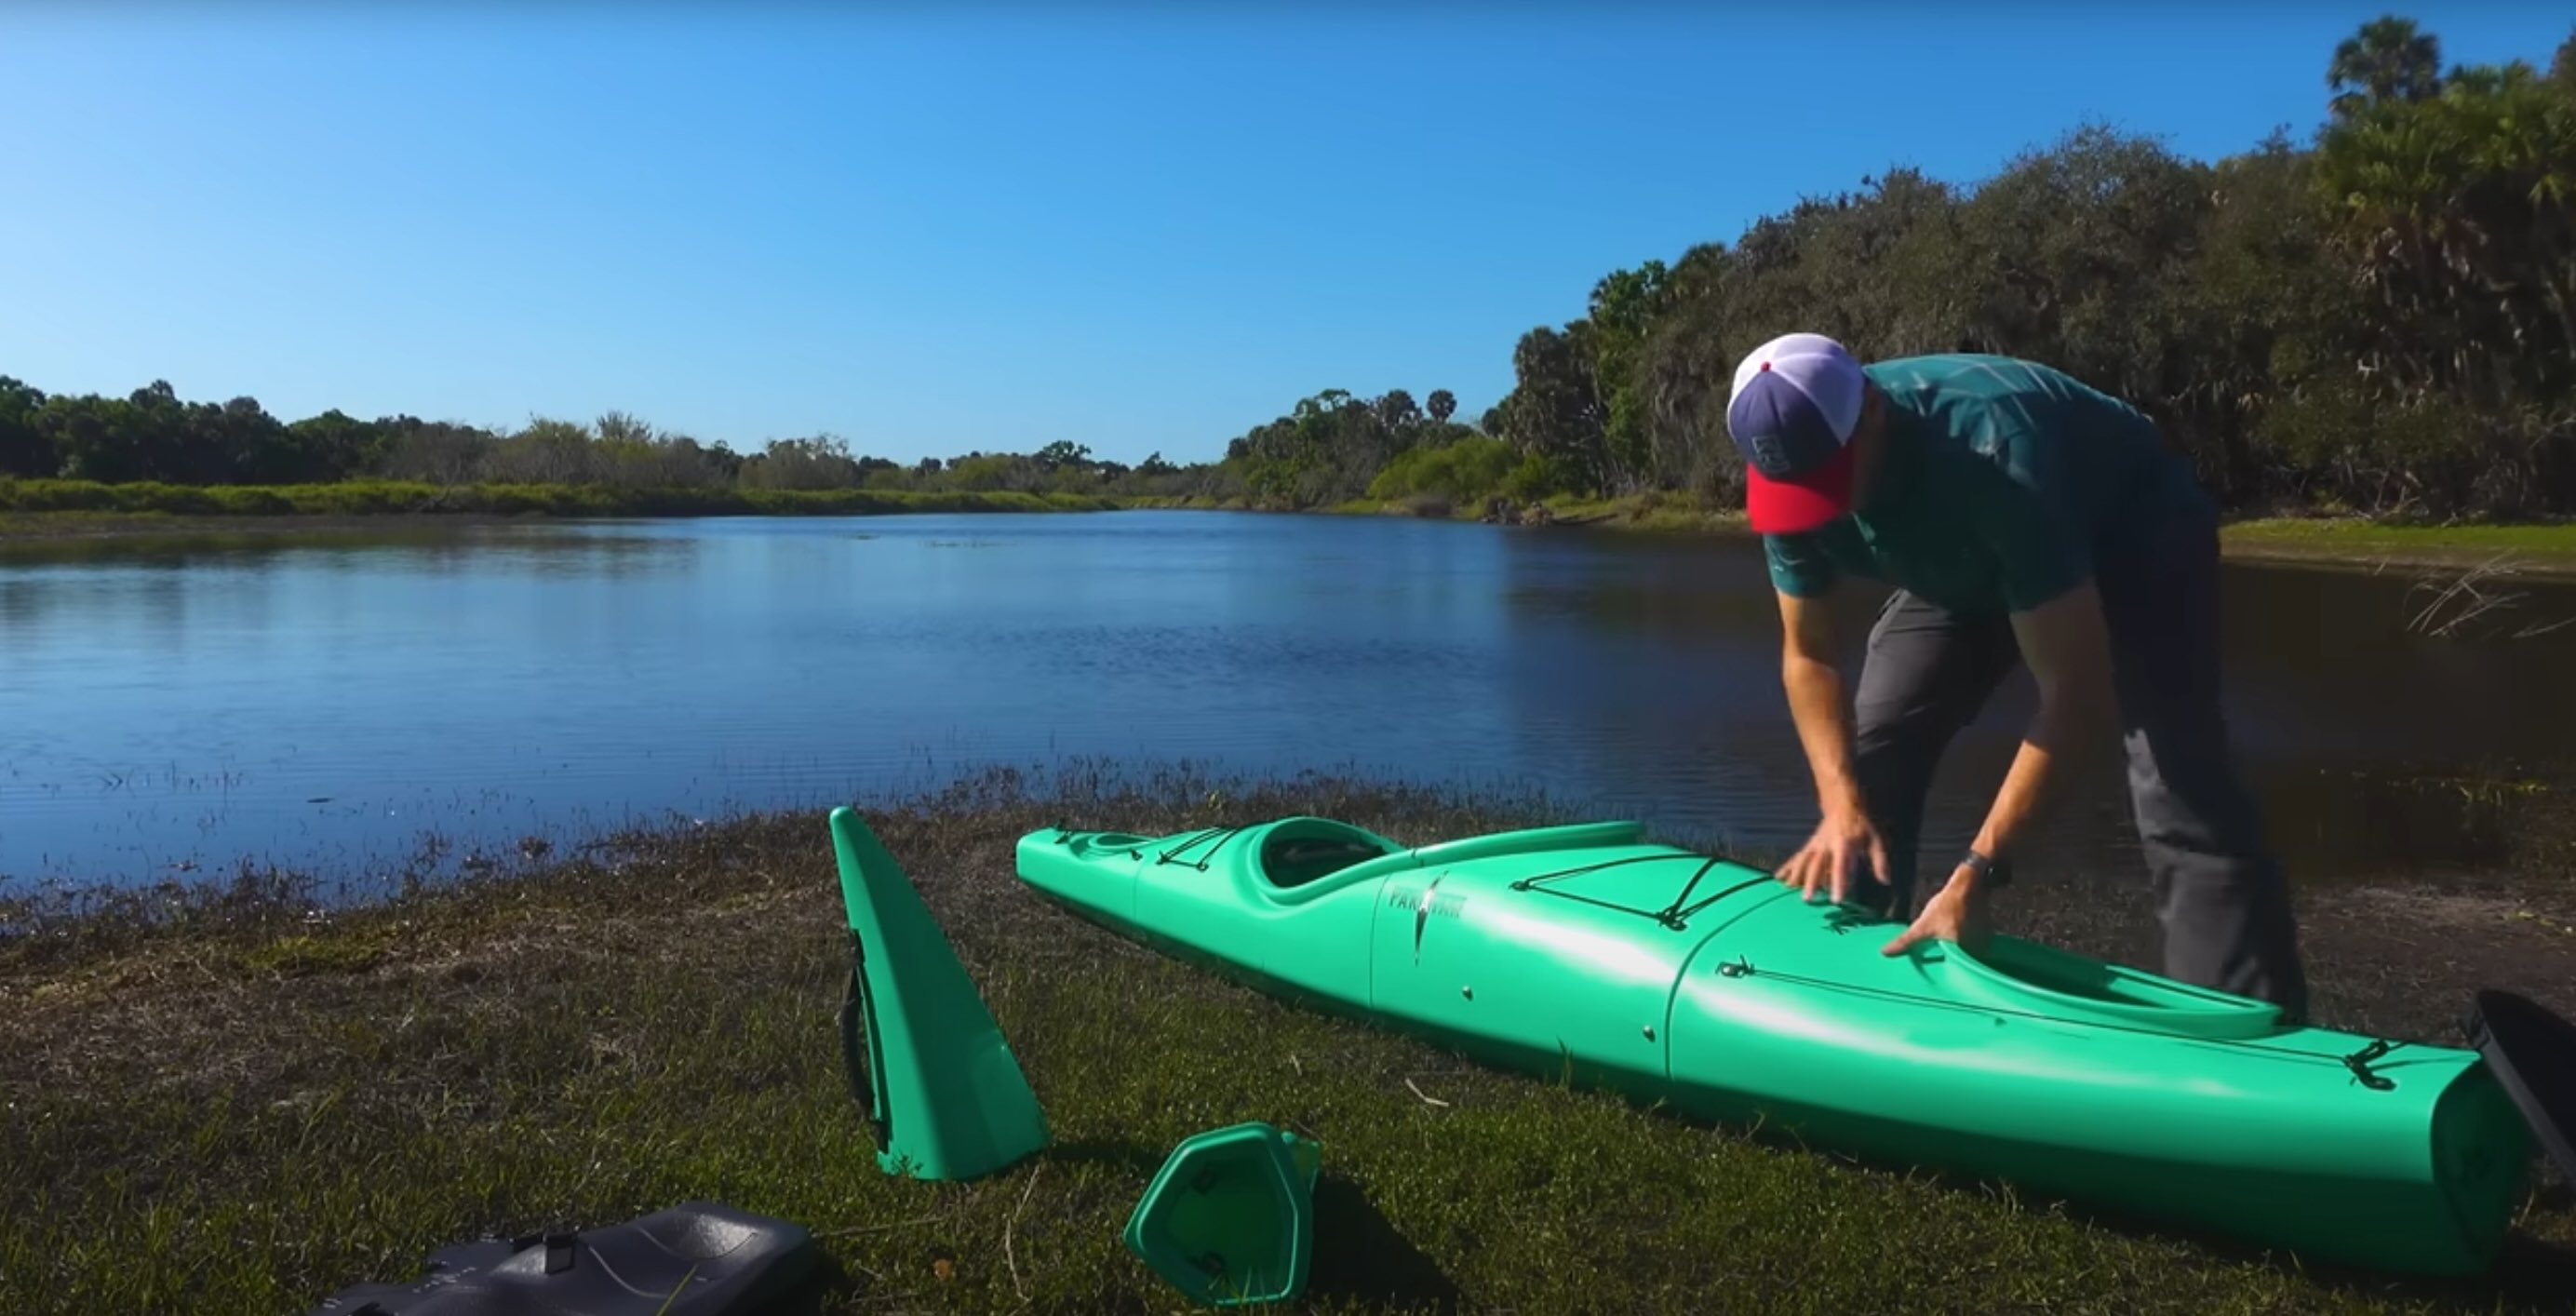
(40, 508)
(1190, 502)
(2537, 537)
(1665, 513)
(2541, 548)
(2358, 537)
(41, 499)
(227, 1103)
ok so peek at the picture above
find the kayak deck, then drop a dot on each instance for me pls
(1588, 953)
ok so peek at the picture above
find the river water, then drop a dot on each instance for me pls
(170, 708)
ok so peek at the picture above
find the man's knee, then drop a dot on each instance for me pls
(2220, 893)
(2229, 926)
(2189, 800)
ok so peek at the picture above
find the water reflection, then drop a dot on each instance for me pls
(315, 702)
(539, 548)
(1653, 663)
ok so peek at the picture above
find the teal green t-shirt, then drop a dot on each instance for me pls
(2000, 482)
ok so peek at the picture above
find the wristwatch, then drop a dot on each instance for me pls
(1990, 872)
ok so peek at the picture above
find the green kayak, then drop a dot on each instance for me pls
(1671, 975)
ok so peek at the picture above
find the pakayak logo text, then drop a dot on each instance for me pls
(1426, 903)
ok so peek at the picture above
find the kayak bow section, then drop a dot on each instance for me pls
(1672, 975)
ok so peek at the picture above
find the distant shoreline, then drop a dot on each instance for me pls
(63, 509)
(54, 510)
(2526, 549)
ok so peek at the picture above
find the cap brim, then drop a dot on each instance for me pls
(1790, 507)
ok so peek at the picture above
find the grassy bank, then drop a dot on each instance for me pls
(229, 1104)
(40, 507)
(77, 508)
(2538, 548)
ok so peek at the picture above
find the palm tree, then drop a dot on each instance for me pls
(2388, 59)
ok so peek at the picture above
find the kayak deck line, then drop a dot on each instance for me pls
(1221, 836)
(1710, 989)
(1675, 915)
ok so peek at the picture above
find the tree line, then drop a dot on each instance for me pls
(2380, 319)
(152, 436)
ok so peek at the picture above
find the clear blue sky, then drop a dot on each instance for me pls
(932, 228)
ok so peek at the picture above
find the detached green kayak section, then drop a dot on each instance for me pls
(923, 1056)
(1585, 951)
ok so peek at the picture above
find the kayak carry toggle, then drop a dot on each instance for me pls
(2359, 1063)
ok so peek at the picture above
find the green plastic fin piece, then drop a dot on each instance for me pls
(1229, 1220)
(946, 1096)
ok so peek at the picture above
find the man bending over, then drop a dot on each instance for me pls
(2022, 516)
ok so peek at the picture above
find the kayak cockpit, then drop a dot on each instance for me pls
(2015, 972)
(1325, 866)
(1296, 851)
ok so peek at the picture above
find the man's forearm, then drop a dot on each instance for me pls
(2068, 649)
(2034, 770)
(1816, 704)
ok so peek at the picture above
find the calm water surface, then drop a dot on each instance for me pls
(170, 708)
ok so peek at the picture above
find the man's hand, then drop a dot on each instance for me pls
(1815, 689)
(1842, 840)
(1956, 913)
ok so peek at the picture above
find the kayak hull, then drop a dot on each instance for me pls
(1586, 953)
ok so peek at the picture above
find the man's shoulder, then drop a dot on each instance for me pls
(1938, 367)
(1977, 375)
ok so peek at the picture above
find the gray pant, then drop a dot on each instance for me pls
(2219, 892)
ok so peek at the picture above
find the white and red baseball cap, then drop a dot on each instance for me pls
(1797, 400)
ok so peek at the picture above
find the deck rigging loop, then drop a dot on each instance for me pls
(1220, 835)
(1674, 915)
